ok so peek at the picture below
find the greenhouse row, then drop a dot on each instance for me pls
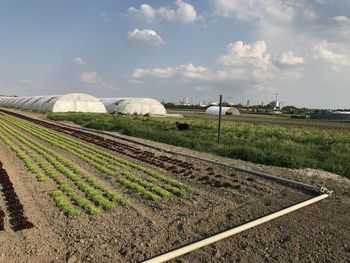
(80, 102)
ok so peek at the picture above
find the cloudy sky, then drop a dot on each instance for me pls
(243, 49)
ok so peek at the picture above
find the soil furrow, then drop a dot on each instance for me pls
(15, 209)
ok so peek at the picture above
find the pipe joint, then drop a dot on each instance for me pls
(324, 190)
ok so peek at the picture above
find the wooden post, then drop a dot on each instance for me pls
(219, 126)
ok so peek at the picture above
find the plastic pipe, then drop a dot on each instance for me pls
(207, 241)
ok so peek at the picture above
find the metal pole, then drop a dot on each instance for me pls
(219, 127)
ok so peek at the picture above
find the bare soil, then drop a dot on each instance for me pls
(218, 199)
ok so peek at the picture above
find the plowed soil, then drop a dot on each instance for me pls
(218, 199)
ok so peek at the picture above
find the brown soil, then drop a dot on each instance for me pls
(219, 199)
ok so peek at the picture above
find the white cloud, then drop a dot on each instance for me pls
(342, 24)
(146, 11)
(251, 59)
(79, 61)
(241, 62)
(342, 19)
(188, 71)
(90, 77)
(263, 10)
(289, 59)
(324, 52)
(147, 36)
(195, 72)
(185, 12)
(155, 72)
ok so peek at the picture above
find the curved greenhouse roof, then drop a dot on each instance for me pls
(214, 110)
(73, 102)
(140, 106)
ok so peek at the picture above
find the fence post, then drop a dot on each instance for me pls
(219, 126)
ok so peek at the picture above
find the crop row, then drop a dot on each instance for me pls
(112, 158)
(177, 166)
(61, 165)
(108, 166)
(30, 156)
(107, 163)
(87, 184)
(73, 171)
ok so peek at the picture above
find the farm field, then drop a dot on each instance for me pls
(93, 198)
(254, 118)
(270, 144)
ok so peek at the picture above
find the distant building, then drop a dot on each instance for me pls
(185, 101)
(276, 104)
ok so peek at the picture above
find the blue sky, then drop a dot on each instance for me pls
(243, 49)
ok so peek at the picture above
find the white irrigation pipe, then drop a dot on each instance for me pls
(207, 241)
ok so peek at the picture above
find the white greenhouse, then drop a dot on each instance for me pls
(73, 102)
(214, 110)
(139, 106)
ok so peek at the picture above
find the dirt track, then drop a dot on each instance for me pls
(318, 233)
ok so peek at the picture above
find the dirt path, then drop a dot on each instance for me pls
(318, 233)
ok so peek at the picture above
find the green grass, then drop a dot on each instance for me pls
(266, 144)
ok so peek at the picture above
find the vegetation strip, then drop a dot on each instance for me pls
(104, 156)
(106, 163)
(15, 209)
(101, 164)
(266, 144)
(90, 193)
(64, 186)
(122, 148)
(64, 204)
(60, 164)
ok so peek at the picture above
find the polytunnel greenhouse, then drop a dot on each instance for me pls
(73, 102)
(140, 106)
(214, 110)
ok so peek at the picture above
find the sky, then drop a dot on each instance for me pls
(242, 49)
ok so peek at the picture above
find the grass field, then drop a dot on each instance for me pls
(266, 144)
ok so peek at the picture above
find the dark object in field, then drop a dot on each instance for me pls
(182, 126)
(15, 209)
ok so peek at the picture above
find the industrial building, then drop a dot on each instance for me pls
(276, 104)
(139, 106)
(73, 102)
(214, 110)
